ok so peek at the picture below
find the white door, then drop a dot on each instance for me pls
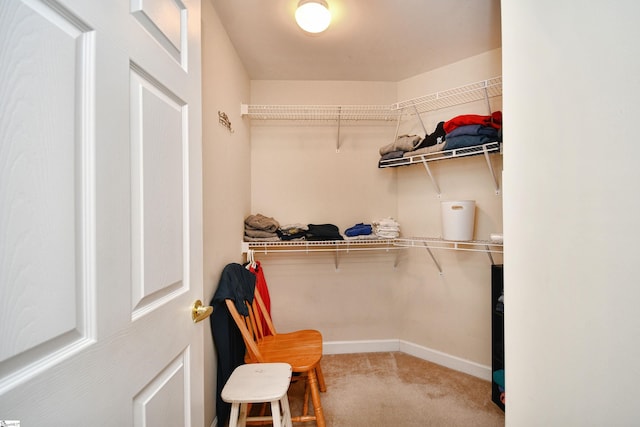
(100, 213)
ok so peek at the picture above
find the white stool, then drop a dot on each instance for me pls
(259, 383)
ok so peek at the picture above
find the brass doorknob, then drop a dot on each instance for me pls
(200, 312)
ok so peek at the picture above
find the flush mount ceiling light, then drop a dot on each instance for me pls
(313, 16)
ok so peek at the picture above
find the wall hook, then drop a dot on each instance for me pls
(223, 119)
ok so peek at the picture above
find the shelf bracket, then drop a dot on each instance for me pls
(395, 137)
(420, 119)
(486, 97)
(338, 137)
(493, 174)
(433, 180)
(490, 256)
(435, 261)
(396, 261)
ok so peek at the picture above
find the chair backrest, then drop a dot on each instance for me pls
(251, 327)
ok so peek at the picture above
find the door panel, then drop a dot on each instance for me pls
(164, 400)
(164, 20)
(100, 203)
(45, 193)
(158, 146)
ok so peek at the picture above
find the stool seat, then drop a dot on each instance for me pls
(259, 383)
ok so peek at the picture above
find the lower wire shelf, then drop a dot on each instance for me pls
(309, 246)
(320, 245)
(429, 243)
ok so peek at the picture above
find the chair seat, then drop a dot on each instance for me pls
(301, 349)
(257, 382)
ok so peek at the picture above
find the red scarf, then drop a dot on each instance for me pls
(261, 286)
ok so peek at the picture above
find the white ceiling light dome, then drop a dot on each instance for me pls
(313, 16)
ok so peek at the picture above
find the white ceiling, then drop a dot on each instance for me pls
(368, 40)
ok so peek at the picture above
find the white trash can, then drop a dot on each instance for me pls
(458, 218)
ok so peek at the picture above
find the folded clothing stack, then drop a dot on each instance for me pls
(260, 228)
(323, 232)
(359, 230)
(401, 145)
(386, 228)
(292, 232)
(470, 130)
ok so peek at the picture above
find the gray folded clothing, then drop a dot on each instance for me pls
(402, 143)
(261, 239)
(261, 222)
(258, 233)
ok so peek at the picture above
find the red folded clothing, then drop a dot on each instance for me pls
(494, 121)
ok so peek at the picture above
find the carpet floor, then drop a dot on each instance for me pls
(398, 390)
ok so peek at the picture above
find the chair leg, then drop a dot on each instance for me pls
(305, 404)
(311, 389)
(233, 417)
(320, 375)
(284, 402)
(315, 397)
(242, 421)
(275, 413)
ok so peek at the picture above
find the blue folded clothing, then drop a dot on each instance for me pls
(464, 141)
(359, 229)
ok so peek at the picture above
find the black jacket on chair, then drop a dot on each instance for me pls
(238, 284)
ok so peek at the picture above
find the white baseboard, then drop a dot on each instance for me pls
(369, 346)
(424, 353)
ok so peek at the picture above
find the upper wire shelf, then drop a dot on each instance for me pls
(321, 112)
(477, 91)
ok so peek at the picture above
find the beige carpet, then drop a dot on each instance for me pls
(397, 390)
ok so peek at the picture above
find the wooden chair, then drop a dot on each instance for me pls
(259, 383)
(300, 349)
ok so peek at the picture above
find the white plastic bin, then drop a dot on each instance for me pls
(458, 218)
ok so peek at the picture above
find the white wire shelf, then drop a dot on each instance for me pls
(424, 159)
(458, 245)
(321, 112)
(320, 245)
(491, 147)
(283, 246)
(482, 90)
(487, 246)
(339, 246)
(312, 246)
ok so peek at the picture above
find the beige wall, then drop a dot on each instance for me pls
(226, 168)
(449, 312)
(297, 176)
